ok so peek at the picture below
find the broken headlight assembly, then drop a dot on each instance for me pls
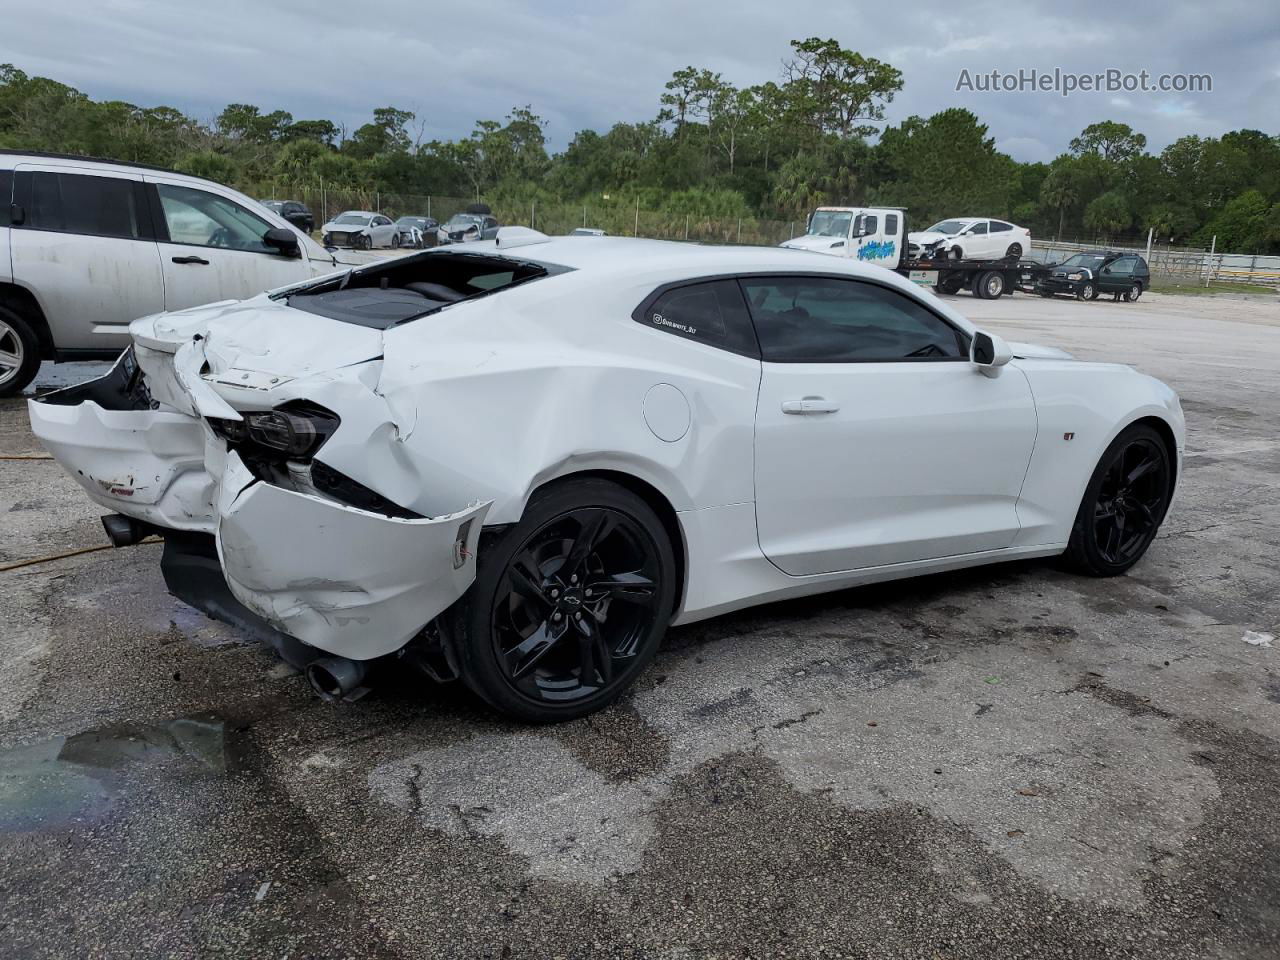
(294, 431)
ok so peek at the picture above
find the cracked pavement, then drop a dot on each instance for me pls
(1002, 762)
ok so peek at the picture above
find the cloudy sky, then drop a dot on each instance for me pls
(588, 63)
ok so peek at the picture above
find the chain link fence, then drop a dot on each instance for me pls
(630, 220)
(617, 219)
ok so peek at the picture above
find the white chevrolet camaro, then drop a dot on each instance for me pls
(518, 461)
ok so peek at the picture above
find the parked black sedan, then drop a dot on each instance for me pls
(299, 214)
(1087, 276)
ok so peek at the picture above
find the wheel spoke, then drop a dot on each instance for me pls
(593, 653)
(1147, 464)
(9, 360)
(633, 587)
(526, 584)
(595, 528)
(525, 655)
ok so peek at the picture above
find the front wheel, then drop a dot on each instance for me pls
(1087, 291)
(568, 605)
(364, 242)
(395, 241)
(1123, 505)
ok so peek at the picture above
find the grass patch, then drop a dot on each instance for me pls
(1199, 289)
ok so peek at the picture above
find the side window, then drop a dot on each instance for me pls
(711, 312)
(891, 224)
(998, 227)
(826, 320)
(979, 229)
(94, 206)
(1122, 267)
(490, 223)
(870, 223)
(202, 219)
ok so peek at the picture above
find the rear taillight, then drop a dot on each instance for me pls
(294, 431)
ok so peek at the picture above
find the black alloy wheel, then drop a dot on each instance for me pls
(568, 605)
(1123, 505)
(1014, 252)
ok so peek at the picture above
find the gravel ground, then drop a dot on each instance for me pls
(1004, 762)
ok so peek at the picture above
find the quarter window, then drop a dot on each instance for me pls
(76, 203)
(998, 227)
(202, 219)
(891, 223)
(826, 320)
(711, 312)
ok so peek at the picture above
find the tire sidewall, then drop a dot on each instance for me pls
(30, 353)
(470, 620)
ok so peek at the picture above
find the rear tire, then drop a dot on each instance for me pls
(568, 606)
(1123, 505)
(19, 353)
(1133, 293)
(990, 285)
(1014, 252)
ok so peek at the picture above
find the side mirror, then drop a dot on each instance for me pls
(989, 353)
(285, 242)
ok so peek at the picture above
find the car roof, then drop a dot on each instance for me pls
(358, 213)
(606, 256)
(79, 158)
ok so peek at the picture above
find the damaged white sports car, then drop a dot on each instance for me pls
(518, 461)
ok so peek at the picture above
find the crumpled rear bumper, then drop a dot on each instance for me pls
(341, 579)
(350, 582)
(148, 464)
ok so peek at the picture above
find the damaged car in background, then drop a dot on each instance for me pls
(518, 462)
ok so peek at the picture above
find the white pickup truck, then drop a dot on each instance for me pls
(870, 234)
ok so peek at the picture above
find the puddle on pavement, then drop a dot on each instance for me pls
(77, 779)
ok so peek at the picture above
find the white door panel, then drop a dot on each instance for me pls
(888, 463)
(214, 250)
(223, 274)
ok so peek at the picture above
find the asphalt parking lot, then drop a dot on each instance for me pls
(1004, 762)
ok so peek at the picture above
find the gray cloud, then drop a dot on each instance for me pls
(583, 64)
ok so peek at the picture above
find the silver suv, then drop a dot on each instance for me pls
(87, 245)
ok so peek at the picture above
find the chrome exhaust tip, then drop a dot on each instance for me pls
(337, 679)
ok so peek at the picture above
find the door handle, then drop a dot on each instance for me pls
(191, 259)
(809, 405)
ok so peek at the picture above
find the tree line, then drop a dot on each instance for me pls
(775, 149)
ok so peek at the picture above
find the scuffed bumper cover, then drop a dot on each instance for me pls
(148, 464)
(347, 581)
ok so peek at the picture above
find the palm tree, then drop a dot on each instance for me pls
(1059, 190)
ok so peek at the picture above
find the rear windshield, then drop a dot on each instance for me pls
(407, 289)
